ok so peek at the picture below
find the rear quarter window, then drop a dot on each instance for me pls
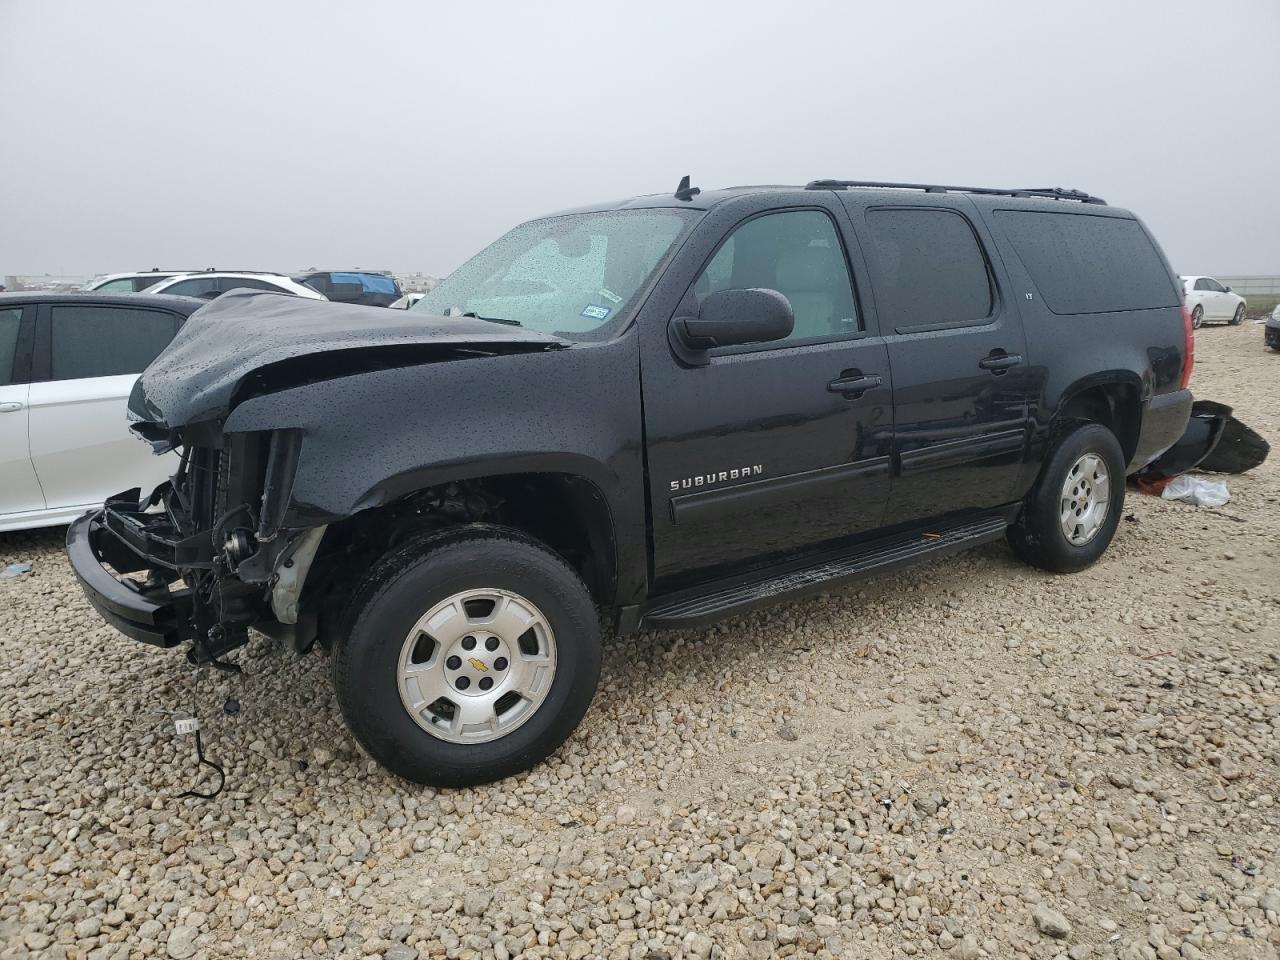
(1089, 264)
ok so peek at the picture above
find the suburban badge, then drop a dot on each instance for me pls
(709, 479)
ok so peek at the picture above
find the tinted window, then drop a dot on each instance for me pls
(10, 320)
(206, 287)
(241, 283)
(798, 254)
(106, 341)
(1213, 285)
(1202, 284)
(372, 282)
(141, 283)
(1089, 264)
(929, 267)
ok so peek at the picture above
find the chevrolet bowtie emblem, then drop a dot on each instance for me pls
(478, 664)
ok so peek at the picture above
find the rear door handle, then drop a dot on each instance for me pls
(854, 386)
(11, 407)
(1000, 362)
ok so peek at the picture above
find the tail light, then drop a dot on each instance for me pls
(1189, 339)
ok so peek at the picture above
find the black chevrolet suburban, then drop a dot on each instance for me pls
(653, 413)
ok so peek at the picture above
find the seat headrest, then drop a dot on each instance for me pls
(808, 269)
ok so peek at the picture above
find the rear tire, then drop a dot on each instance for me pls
(467, 657)
(1197, 317)
(1238, 317)
(1071, 515)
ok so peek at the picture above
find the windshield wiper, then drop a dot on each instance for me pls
(503, 320)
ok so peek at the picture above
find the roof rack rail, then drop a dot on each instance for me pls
(198, 270)
(1047, 193)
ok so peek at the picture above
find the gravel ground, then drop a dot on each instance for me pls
(972, 759)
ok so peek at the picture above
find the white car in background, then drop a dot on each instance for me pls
(68, 362)
(129, 282)
(1207, 299)
(210, 284)
(407, 301)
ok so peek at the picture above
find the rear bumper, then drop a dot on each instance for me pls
(155, 617)
(1202, 432)
(1164, 420)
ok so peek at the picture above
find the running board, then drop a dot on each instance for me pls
(694, 609)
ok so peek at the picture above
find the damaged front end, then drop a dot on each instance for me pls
(204, 557)
(224, 545)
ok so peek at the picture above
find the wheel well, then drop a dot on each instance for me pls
(566, 513)
(1114, 405)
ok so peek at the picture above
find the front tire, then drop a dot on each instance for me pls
(1197, 317)
(1238, 317)
(467, 657)
(1068, 520)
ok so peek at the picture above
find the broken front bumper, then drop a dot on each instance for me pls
(157, 615)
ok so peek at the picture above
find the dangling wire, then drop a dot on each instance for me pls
(201, 759)
(204, 761)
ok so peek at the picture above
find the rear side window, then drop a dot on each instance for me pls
(1089, 264)
(10, 320)
(251, 283)
(98, 341)
(206, 287)
(929, 268)
(124, 284)
(372, 282)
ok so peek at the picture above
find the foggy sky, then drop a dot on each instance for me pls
(281, 135)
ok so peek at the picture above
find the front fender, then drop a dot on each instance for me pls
(373, 437)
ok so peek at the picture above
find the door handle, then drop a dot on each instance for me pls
(11, 407)
(853, 384)
(998, 363)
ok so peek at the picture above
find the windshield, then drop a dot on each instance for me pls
(568, 275)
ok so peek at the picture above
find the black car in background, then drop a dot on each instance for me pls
(370, 287)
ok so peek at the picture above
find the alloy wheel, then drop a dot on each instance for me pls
(1086, 493)
(477, 665)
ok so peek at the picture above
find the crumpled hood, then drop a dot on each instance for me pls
(241, 334)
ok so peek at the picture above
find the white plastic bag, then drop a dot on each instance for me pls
(1197, 491)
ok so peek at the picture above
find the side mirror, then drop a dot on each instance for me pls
(1228, 289)
(729, 318)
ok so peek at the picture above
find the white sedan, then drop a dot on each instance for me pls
(68, 362)
(1207, 299)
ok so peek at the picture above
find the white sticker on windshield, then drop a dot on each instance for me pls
(594, 311)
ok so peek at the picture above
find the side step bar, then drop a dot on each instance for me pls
(697, 608)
